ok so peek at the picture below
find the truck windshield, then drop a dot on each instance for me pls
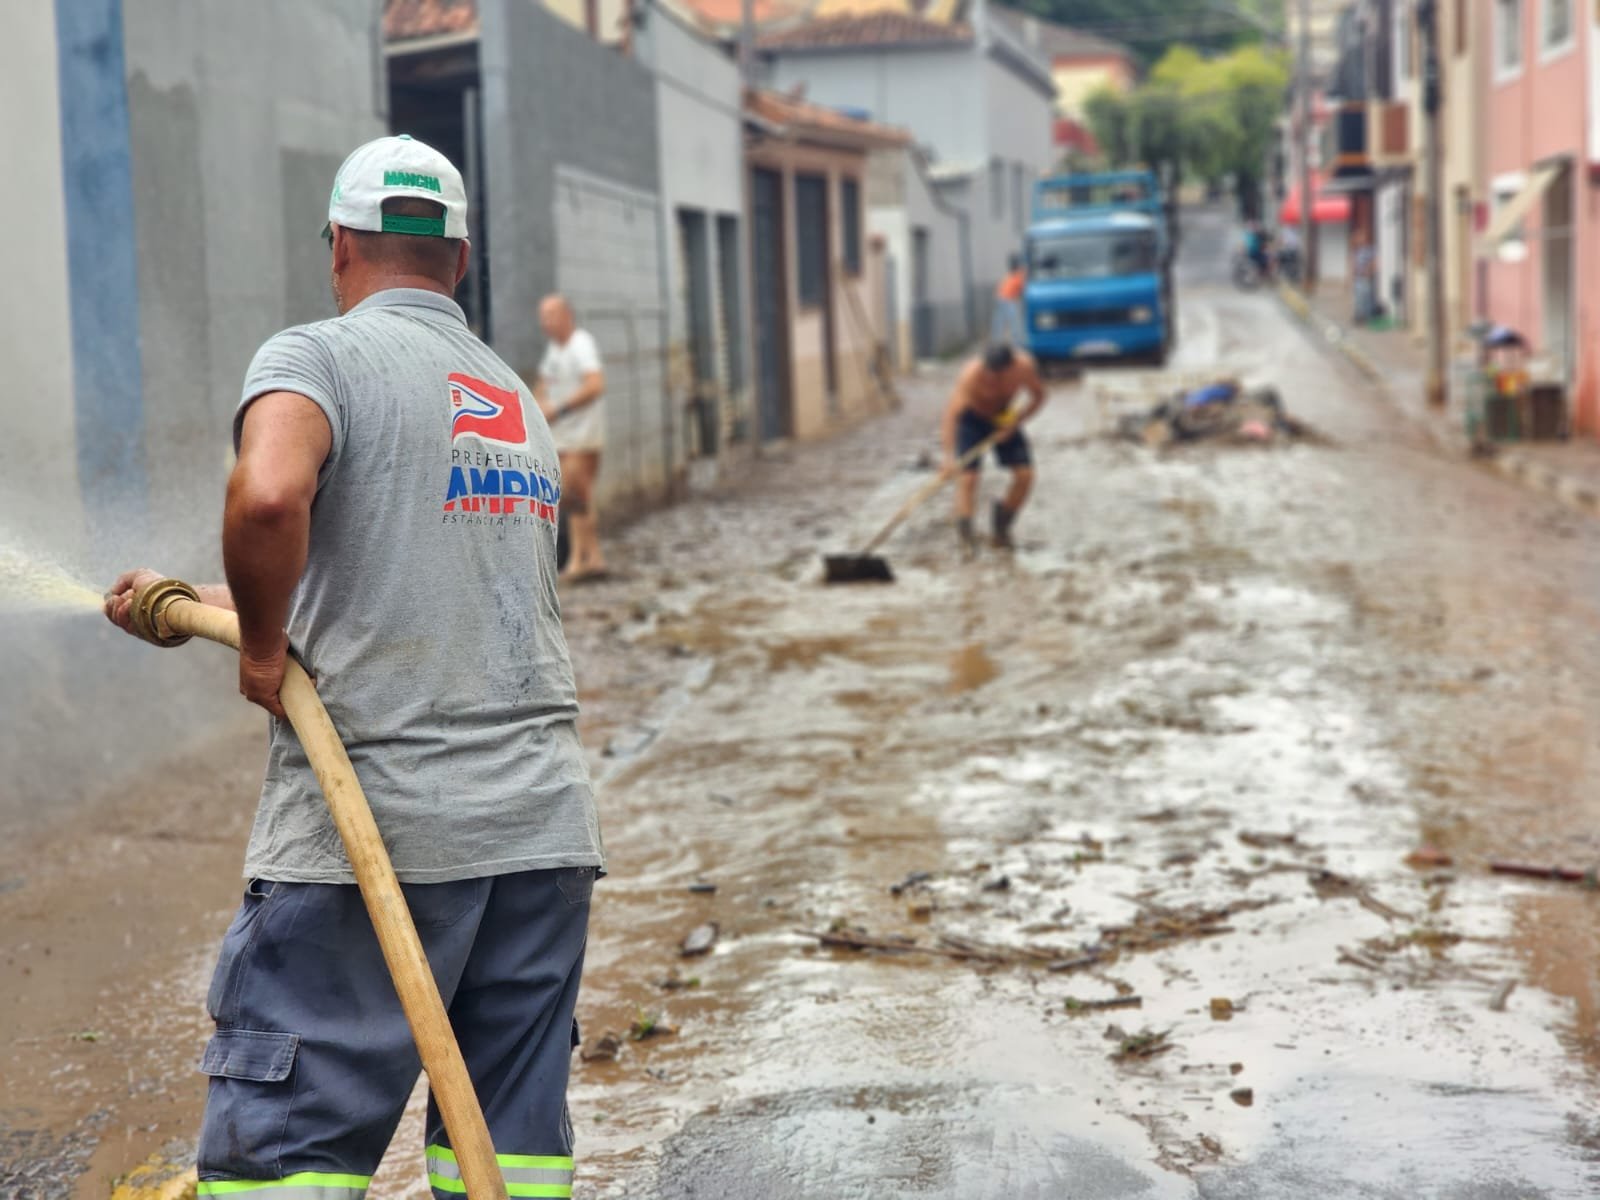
(1092, 255)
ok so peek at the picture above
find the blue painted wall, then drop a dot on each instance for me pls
(102, 262)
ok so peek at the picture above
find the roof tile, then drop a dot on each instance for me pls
(869, 29)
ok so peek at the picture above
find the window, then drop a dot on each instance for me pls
(850, 219)
(997, 189)
(1016, 196)
(732, 300)
(1404, 42)
(1092, 255)
(811, 236)
(1557, 31)
(1507, 37)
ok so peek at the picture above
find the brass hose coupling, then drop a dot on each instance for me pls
(151, 601)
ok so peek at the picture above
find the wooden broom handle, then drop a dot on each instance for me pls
(386, 903)
(945, 475)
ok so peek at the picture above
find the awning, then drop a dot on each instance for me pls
(1325, 209)
(1506, 221)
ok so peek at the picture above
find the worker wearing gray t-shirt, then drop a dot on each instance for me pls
(392, 520)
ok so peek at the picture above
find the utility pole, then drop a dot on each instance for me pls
(1428, 26)
(1308, 230)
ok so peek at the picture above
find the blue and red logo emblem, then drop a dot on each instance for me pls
(482, 410)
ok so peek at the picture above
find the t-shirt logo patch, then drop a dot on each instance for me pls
(482, 410)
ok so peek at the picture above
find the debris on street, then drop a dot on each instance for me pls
(1147, 1043)
(649, 1025)
(1589, 877)
(604, 1048)
(699, 940)
(1429, 858)
(1222, 410)
(1329, 885)
(1079, 1007)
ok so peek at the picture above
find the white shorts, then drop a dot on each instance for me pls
(581, 430)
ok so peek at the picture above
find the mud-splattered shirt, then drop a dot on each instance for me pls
(428, 609)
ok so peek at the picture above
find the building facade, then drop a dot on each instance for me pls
(978, 103)
(699, 129)
(1081, 64)
(817, 281)
(178, 173)
(1540, 234)
(927, 260)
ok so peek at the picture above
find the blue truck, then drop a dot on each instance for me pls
(1099, 270)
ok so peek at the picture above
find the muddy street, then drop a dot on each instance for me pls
(1147, 861)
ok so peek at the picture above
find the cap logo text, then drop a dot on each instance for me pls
(411, 179)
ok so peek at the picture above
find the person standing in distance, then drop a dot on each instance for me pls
(392, 516)
(571, 389)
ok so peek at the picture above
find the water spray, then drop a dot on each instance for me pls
(169, 613)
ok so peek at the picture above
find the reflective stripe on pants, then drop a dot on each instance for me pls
(525, 1174)
(304, 1185)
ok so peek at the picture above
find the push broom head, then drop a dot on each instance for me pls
(857, 568)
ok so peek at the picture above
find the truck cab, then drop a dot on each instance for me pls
(1098, 270)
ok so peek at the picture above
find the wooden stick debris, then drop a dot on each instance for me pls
(1589, 877)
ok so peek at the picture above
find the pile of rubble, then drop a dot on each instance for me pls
(1222, 410)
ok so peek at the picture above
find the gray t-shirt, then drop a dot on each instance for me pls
(428, 609)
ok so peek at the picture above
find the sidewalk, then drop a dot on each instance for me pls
(1569, 471)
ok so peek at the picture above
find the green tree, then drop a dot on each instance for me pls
(1149, 27)
(1211, 117)
(1109, 117)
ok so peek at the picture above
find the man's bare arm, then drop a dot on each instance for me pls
(266, 529)
(590, 388)
(952, 413)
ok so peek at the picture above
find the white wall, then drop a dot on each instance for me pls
(276, 95)
(900, 200)
(934, 93)
(37, 457)
(964, 106)
(1019, 113)
(700, 129)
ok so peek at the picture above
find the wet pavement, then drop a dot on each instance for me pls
(1178, 748)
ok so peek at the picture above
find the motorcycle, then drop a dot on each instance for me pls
(1247, 273)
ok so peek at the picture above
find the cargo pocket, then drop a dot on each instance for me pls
(247, 1108)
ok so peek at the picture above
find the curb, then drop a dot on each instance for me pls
(1540, 478)
(1332, 332)
(1509, 464)
(157, 1178)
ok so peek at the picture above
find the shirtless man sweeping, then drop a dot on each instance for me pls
(981, 404)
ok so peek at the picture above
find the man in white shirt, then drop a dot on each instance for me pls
(570, 387)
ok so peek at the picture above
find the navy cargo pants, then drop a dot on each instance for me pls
(312, 1061)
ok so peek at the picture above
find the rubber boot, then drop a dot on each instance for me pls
(969, 539)
(1003, 517)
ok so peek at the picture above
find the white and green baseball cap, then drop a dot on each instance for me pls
(397, 166)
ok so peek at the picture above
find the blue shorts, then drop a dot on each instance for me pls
(971, 429)
(312, 1061)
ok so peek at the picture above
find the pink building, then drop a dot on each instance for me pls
(1540, 265)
